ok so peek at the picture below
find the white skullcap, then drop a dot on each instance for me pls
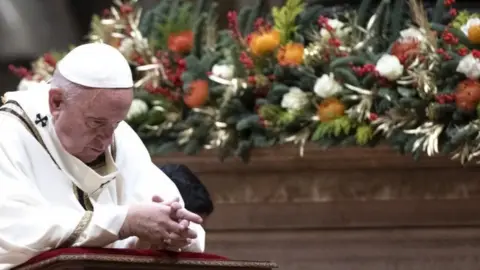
(96, 65)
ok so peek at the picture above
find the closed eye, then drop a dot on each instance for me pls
(94, 123)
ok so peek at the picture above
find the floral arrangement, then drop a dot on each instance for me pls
(388, 73)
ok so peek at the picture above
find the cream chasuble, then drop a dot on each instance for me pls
(50, 199)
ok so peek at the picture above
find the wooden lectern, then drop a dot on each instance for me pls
(99, 258)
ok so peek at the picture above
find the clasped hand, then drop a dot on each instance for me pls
(163, 224)
(176, 241)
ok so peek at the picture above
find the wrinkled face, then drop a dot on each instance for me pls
(85, 123)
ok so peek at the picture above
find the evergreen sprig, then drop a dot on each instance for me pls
(285, 18)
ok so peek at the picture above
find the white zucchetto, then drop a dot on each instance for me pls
(96, 65)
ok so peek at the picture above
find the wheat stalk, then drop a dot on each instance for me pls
(419, 16)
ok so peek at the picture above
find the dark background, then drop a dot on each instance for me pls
(29, 28)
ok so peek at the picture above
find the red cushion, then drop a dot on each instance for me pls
(122, 252)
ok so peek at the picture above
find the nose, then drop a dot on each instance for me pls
(106, 133)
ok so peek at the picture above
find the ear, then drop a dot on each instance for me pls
(56, 101)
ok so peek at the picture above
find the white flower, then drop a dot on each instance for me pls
(326, 86)
(295, 99)
(338, 27)
(471, 22)
(223, 71)
(389, 66)
(28, 84)
(412, 33)
(127, 47)
(470, 66)
(137, 108)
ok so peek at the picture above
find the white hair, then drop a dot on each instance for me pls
(70, 89)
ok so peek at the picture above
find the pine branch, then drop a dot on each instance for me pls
(284, 18)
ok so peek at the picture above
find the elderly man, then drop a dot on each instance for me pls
(72, 173)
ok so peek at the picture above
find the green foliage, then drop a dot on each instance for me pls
(248, 122)
(363, 12)
(163, 149)
(174, 16)
(198, 34)
(284, 18)
(248, 110)
(308, 18)
(270, 112)
(179, 19)
(438, 11)
(347, 75)
(397, 21)
(277, 116)
(363, 134)
(335, 128)
(254, 13)
(348, 60)
(462, 18)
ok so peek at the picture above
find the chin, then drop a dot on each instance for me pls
(90, 157)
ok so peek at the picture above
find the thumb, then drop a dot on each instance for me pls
(157, 199)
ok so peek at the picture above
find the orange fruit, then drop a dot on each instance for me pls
(264, 43)
(474, 34)
(330, 109)
(181, 42)
(406, 49)
(291, 54)
(467, 95)
(198, 94)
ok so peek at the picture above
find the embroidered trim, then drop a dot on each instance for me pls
(83, 199)
(81, 227)
(13, 108)
(16, 110)
(42, 120)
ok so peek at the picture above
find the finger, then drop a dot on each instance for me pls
(189, 216)
(164, 234)
(186, 234)
(176, 206)
(184, 223)
(189, 234)
(157, 236)
(174, 227)
(180, 237)
(177, 244)
(157, 199)
(172, 201)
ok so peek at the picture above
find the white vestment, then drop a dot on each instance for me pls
(39, 208)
